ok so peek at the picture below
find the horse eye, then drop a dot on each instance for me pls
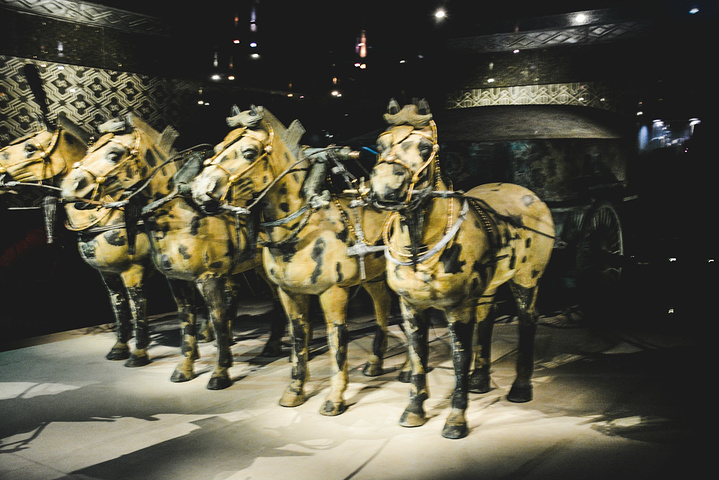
(113, 156)
(29, 147)
(249, 154)
(425, 150)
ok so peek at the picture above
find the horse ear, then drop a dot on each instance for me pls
(234, 111)
(423, 107)
(129, 120)
(393, 107)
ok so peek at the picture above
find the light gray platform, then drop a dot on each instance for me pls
(602, 410)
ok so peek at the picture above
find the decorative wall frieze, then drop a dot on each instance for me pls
(90, 14)
(589, 94)
(88, 96)
(525, 40)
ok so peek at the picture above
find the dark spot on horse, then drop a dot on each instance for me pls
(285, 207)
(283, 190)
(340, 277)
(115, 238)
(524, 259)
(182, 249)
(535, 273)
(513, 260)
(217, 264)
(195, 225)
(87, 249)
(128, 171)
(450, 259)
(475, 283)
(343, 234)
(528, 242)
(150, 158)
(317, 255)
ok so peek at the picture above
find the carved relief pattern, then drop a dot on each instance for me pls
(90, 14)
(88, 96)
(584, 94)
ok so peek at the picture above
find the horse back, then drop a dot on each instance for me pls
(525, 227)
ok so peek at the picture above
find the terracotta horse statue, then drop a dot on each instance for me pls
(133, 167)
(451, 251)
(305, 236)
(40, 162)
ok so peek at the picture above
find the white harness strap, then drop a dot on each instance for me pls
(438, 246)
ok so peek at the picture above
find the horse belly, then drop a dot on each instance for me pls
(109, 251)
(425, 288)
(314, 269)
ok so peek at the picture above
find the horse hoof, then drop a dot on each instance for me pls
(137, 361)
(404, 376)
(479, 384)
(412, 419)
(455, 431)
(219, 383)
(292, 399)
(372, 369)
(332, 409)
(520, 394)
(179, 376)
(456, 425)
(118, 353)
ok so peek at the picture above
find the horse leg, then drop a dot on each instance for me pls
(461, 326)
(479, 381)
(214, 292)
(297, 307)
(278, 325)
(334, 305)
(416, 328)
(186, 297)
(134, 280)
(382, 299)
(121, 310)
(278, 322)
(525, 299)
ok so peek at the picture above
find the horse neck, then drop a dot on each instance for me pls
(285, 197)
(68, 152)
(433, 220)
(162, 174)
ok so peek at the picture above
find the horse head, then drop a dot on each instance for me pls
(128, 152)
(243, 162)
(45, 156)
(405, 169)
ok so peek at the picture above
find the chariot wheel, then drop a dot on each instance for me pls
(600, 251)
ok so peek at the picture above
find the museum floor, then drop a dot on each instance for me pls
(609, 404)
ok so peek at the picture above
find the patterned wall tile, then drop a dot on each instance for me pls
(86, 95)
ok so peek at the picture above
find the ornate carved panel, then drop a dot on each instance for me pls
(87, 96)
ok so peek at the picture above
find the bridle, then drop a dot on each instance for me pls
(405, 132)
(234, 178)
(44, 157)
(100, 178)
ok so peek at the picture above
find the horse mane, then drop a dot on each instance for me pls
(254, 117)
(415, 114)
(122, 125)
(71, 127)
